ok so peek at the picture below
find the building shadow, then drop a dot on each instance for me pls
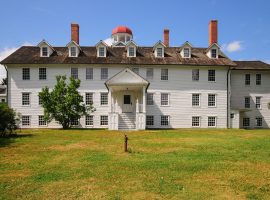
(7, 140)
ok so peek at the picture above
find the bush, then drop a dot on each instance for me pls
(7, 120)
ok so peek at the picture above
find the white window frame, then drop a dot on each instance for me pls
(150, 99)
(104, 98)
(74, 72)
(244, 122)
(39, 100)
(211, 117)
(151, 119)
(186, 52)
(162, 100)
(257, 120)
(162, 117)
(131, 51)
(193, 122)
(25, 100)
(89, 120)
(159, 52)
(89, 98)
(258, 79)
(247, 102)
(102, 51)
(195, 75)
(41, 121)
(24, 120)
(194, 101)
(164, 74)
(209, 102)
(212, 77)
(103, 75)
(73, 51)
(211, 53)
(42, 51)
(89, 73)
(150, 73)
(258, 102)
(26, 77)
(75, 122)
(104, 121)
(247, 79)
(41, 75)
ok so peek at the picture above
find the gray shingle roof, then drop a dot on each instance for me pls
(251, 65)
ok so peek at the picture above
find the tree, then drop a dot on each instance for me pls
(64, 103)
(7, 120)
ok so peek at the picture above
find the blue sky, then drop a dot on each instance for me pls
(244, 25)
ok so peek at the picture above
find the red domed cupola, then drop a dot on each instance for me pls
(121, 29)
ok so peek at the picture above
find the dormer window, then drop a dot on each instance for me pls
(101, 52)
(45, 52)
(186, 53)
(73, 52)
(131, 51)
(214, 53)
(159, 52)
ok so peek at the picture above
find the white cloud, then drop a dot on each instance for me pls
(233, 46)
(5, 53)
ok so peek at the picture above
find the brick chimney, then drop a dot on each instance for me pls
(213, 32)
(75, 32)
(166, 37)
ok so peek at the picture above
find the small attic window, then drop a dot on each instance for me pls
(214, 53)
(44, 52)
(131, 52)
(101, 52)
(73, 52)
(186, 53)
(159, 52)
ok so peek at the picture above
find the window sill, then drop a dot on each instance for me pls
(164, 105)
(212, 106)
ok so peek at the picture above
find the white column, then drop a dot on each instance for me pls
(137, 105)
(144, 100)
(110, 100)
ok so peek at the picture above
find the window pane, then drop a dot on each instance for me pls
(74, 73)
(211, 75)
(89, 73)
(149, 73)
(186, 53)
(25, 99)
(25, 120)
(258, 121)
(88, 98)
(247, 102)
(104, 73)
(164, 120)
(164, 99)
(247, 79)
(89, 120)
(104, 98)
(150, 99)
(211, 121)
(44, 51)
(213, 53)
(258, 102)
(164, 74)
(73, 52)
(42, 73)
(41, 121)
(26, 73)
(103, 120)
(195, 99)
(246, 122)
(196, 121)
(211, 100)
(195, 75)
(131, 51)
(159, 52)
(101, 51)
(258, 79)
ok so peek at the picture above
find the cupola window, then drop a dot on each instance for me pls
(213, 53)
(101, 51)
(73, 52)
(131, 51)
(159, 52)
(45, 51)
(186, 52)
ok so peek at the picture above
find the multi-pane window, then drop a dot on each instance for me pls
(89, 73)
(131, 51)
(258, 79)
(246, 122)
(212, 121)
(159, 52)
(25, 120)
(164, 99)
(195, 75)
(164, 74)
(195, 99)
(74, 122)
(164, 120)
(39, 100)
(88, 98)
(150, 99)
(103, 98)
(41, 121)
(74, 73)
(247, 79)
(104, 74)
(211, 100)
(136, 70)
(195, 121)
(42, 73)
(25, 73)
(103, 120)
(213, 53)
(101, 51)
(258, 121)
(247, 102)
(25, 99)
(258, 102)
(149, 73)
(186, 52)
(45, 51)
(149, 120)
(89, 120)
(73, 51)
(211, 75)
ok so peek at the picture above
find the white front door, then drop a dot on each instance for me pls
(127, 103)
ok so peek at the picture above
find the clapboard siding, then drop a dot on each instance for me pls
(239, 91)
(179, 86)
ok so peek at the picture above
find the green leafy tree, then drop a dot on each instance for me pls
(64, 103)
(8, 121)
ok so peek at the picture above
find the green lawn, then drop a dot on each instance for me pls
(172, 164)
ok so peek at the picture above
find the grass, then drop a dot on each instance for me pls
(169, 164)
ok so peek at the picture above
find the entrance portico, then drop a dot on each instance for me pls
(127, 100)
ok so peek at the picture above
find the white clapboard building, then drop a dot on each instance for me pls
(138, 87)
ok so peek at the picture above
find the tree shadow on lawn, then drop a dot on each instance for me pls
(7, 140)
